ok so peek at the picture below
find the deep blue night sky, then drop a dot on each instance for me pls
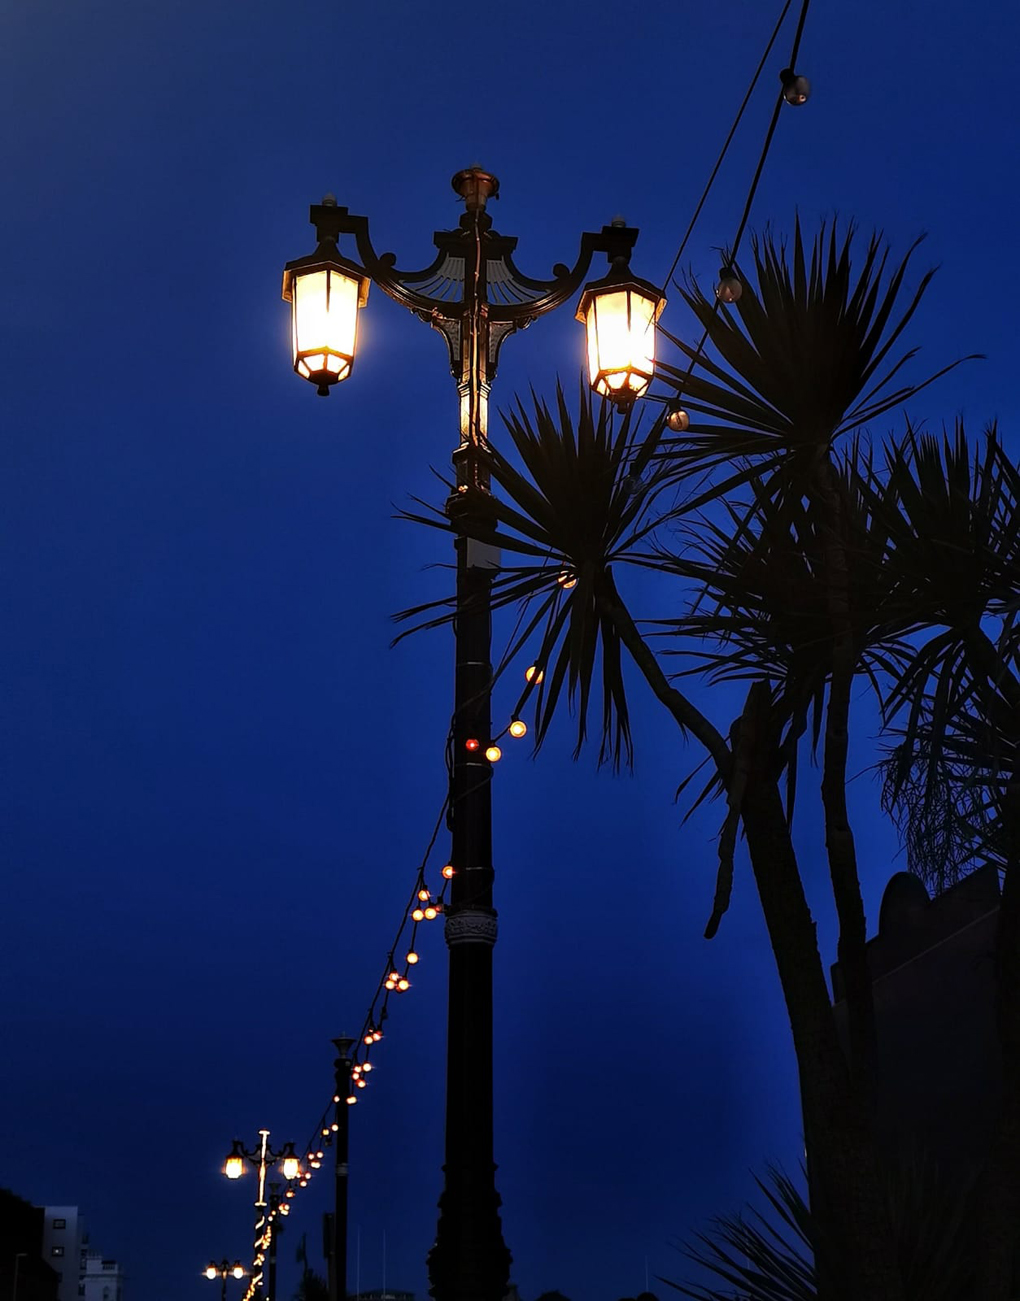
(219, 779)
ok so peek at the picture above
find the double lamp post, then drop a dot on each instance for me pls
(474, 295)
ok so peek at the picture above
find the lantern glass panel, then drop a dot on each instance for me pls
(620, 326)
(325, 322)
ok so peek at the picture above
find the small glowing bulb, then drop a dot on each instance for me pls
(367, 1066)
(729, 288)
(319, 1154)
(418, 915)
(448, 871)
(315, 1165)
(567, 580)
(423, 895)
(376, 1035)
(430, 913)
(403, 984)
(471, 743)
(368, 1038)
(336, 1097)
(678, 420)
(351, 1100)
(361, 1083)
(494, 754)
(394, 975)
(412, 958)
(518, 727)
(390, 984)
(334, 1127)
(290, 1192)
(211, 1270)
(534, 674)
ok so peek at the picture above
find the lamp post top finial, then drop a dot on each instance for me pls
(476, 186)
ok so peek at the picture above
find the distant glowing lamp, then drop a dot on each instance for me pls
(211, 1271)
(234, 1165)
(238, 1269)
(290, 1166)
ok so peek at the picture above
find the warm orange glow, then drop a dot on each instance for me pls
(324, 321)
(619, 323)
(448, 871)
(430, 913)
(290, 1167)
(211, 1270)
(368, 1038)
(423, 895)
(518, 728)
(534, 674)
(233, 1167)
(237, 1271)
(376, 1035)
(351, 1100)
(367, 1066)
(403, 984)
(412, 958)
(494, 754)
(418, 915)
(567, 581)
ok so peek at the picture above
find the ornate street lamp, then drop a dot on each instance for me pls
(475, 296)
(261, 1158)
(223, 1271)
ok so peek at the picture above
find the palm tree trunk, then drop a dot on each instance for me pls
(847, 1192)
(839, 838)
(851, 1193)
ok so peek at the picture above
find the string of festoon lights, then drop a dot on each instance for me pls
(426, 903)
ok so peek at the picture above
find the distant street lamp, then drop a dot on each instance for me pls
(262, 1156)
(475, 296)
(223, 1271)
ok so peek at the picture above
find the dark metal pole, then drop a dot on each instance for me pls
(338, 1254)
(223, 1285)
(275, 1227)
(470, 1261)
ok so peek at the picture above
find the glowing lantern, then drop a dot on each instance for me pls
(325, 291)
(619, 314)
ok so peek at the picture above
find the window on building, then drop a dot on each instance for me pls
(56, 1251)
(60, 1224)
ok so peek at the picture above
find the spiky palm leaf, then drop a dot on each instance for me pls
(803, 357)
(769, 1256)
(580, 504)
(952, 523)
(763, 574)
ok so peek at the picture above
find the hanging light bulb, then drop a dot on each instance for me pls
(534, 674)
(412, 958)
(796, 89)
(471, 743)
(351, 1100)
(518, 727)
(430, 913)
(367, 1066)
(729, 288)
(376, 1035)
(423, 895)
(418, 915)
(389, 984)
(448, 871)
(403, 984)
(567, 580)
(368, 1037)
(493, 753)
(210, 1270)
(335, 1127)
(678, 420)
(361, 1083)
